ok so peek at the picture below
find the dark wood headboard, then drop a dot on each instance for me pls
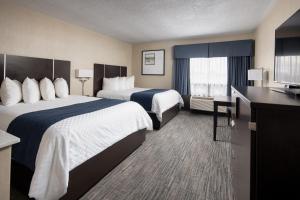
(62, 69)
(106, 71)
(20, 67)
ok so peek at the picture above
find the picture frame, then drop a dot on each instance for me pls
(153, 62)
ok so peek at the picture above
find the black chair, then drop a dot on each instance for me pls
(221, 101)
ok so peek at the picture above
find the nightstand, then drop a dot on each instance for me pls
(6, 141)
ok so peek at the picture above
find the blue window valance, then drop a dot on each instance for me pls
(218, 49)
(191, 51)
(232, 48)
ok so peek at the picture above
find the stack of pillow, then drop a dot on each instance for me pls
(13, 92)
(118, 83)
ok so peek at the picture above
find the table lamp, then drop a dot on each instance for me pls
(83, 75)
(255, 75)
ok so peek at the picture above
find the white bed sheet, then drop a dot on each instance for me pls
(70, 142)
(161, 101)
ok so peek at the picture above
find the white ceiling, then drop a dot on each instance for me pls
(151, 20)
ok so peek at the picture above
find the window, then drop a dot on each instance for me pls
(287, 69)
(208, 76)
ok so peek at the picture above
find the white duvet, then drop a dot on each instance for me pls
(161, 101)
(70, 142)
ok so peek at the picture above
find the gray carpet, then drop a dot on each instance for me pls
(178, 162)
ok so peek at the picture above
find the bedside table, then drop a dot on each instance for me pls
(6, 141)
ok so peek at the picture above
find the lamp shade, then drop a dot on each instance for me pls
(255, 75)
(84, 73)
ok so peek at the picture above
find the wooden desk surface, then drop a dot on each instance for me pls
(259, 96)
(219, 101)
(7, 139)
(223, 99)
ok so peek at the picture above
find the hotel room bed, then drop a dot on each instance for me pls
(161, 101)
(161, 105)
(67, 145)
(71, 140)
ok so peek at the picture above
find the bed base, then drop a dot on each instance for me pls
(166, 117)
(89, 173)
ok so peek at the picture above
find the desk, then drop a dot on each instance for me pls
(265, 144)
(220, 101)
(6, 141)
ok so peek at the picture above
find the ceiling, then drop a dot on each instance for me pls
(152, 20)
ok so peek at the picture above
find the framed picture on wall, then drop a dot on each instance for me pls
(153, 62)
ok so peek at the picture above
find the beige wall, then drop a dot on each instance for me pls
(265, 36)
(264, 46)
(166, 81)
(27, 33)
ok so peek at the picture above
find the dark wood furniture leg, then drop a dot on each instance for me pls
(229, 116)
(215, 120)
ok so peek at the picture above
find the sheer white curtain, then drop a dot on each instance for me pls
(287, 69)
(208, 76)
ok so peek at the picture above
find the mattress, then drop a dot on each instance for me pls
(161, 101)
(70, 142)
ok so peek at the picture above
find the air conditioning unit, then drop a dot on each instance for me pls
(205, 104)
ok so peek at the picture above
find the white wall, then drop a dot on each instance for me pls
(166, 80)
(265, 36)
(29, 33)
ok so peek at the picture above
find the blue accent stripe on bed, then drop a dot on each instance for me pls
(30, 127)
(144, 98)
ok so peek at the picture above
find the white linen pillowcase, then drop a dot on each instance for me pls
(47, 89)
(10, 92)
(130, 82)
(31, 91)
(61, 88)
(111, 83)
(123, 83)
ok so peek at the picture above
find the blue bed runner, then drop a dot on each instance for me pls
(30, 127)
(144, 98)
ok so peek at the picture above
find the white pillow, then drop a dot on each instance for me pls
(130, 82)
(47, 89)
(31, 91)
(123, 83)
(11, 92)
(111, 83)
(61, 88)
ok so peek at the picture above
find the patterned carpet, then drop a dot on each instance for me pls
(178, 162)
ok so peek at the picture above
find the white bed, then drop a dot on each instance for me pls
(70, 142)
(161, 101)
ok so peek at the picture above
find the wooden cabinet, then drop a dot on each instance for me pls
(265, 160)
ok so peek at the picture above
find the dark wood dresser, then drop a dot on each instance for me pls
(266, 144)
